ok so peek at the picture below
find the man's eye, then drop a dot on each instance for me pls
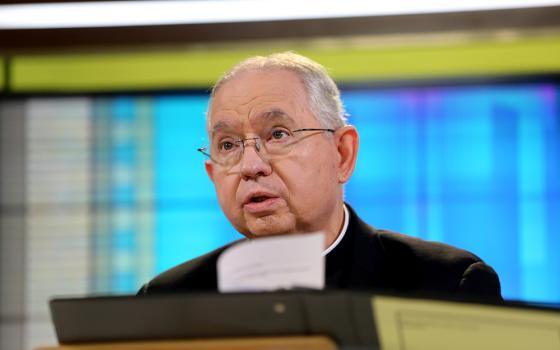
(279, 134)
(226, 146)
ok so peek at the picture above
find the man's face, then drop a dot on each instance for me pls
(295, 193)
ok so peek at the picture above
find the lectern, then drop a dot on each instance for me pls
(264, 343)
(321, 320)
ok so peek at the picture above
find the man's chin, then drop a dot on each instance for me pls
(269, 226)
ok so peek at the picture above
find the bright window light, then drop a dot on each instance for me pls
(141, 13)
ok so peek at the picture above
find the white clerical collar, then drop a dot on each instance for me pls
(341, 234)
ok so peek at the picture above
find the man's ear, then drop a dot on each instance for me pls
(348, 143)
(209, 169)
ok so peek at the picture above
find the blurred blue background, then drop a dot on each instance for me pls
(476, 166)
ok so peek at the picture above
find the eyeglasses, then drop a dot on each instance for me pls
(276, 143)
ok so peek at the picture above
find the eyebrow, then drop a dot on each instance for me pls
(221, 126)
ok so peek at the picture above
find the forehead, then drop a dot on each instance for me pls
(254, 97)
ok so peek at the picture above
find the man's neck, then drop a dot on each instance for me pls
(342, 231)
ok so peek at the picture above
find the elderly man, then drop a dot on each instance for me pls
(280, 153)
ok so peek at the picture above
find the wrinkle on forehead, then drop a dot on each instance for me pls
(268, 116)
(273, 114)
(243, 103)
(225, 107)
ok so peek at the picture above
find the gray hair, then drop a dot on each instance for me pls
(323, 94)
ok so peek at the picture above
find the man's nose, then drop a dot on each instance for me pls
(253, 162)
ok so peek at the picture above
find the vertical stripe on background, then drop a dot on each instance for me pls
(435, 150)
(551, 94)
(144, 258)
(532, 192)
(123, 207)
(58, 197)
(100, 275)
(12, 224)
(123, 193)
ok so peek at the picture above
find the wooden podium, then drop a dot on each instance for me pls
(264, 343)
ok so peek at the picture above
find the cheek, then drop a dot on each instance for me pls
(226, 189)
(320, 165)
(309, 175)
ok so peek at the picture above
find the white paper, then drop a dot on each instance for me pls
(272, 263)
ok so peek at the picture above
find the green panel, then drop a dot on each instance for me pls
(2, 75)
(200, 68)
(478, 58)
(117, 71)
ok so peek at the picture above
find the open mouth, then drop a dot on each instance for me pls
(260, 203)
(258, 199)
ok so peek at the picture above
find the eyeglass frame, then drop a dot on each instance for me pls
(204, 149)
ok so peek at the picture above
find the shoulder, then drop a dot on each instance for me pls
(414, 264)
(198, 274)
(435, 266)
(400, 247)
(428, 252)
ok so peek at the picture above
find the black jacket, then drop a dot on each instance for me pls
(365, 259)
